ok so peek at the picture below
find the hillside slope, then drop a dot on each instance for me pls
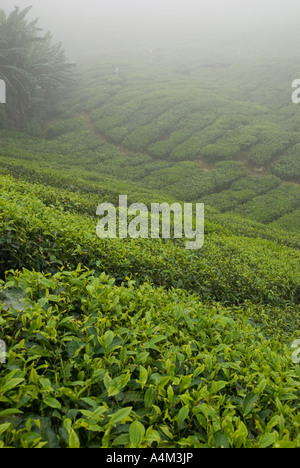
(142, 343)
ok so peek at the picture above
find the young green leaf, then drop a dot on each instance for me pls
(74, 442)
(52, 402)
(182, 415)
(250, 402)
(120, 415)
(136, 433)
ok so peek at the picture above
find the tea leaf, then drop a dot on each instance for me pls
(74, 442)
(120, 415)
(136, 433)
(182, 415)
(52, 402)
(250, 402)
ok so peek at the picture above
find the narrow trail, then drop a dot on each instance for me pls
(94, 132)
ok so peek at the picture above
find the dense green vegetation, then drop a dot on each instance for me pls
(42, 237)
(226, 380)
(97, 365)
(34, 70)
(143, 343)
(179, 135)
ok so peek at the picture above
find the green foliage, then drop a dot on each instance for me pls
(33, 69)
(142, 343)
(241, 192)
(230, 145)
(229, 268)
(289, 167)
(273, 205)
(202, 183)
(64, 126)
(289, 222)
(272, 142)
(175, 176)
(91, 364)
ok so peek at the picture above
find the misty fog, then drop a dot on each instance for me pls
(93, 26)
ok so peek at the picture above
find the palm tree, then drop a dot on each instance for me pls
(33, 69)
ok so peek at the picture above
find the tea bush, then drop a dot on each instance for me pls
(64, 126)
(229, 268)
(289, 222)
(241, 192)
(273, 205)
(142, 343)
(91, 364)
(288, 168)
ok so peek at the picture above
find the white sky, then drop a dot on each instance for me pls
(81, 23)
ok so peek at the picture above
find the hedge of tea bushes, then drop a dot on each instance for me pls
(196, 351)
(179, 121)
(273, 141)
(102, 168)
(86, 182)
(239, 226)
(203, 183)
(135, 167)
(289, 167)
(182, 181)
(289, 222)
(91, 364)
(75, 200)
(229, 268)
(272, 205)
(242, 191)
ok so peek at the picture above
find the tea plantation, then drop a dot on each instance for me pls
(142, 343)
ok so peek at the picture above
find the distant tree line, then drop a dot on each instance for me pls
(35, 71)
